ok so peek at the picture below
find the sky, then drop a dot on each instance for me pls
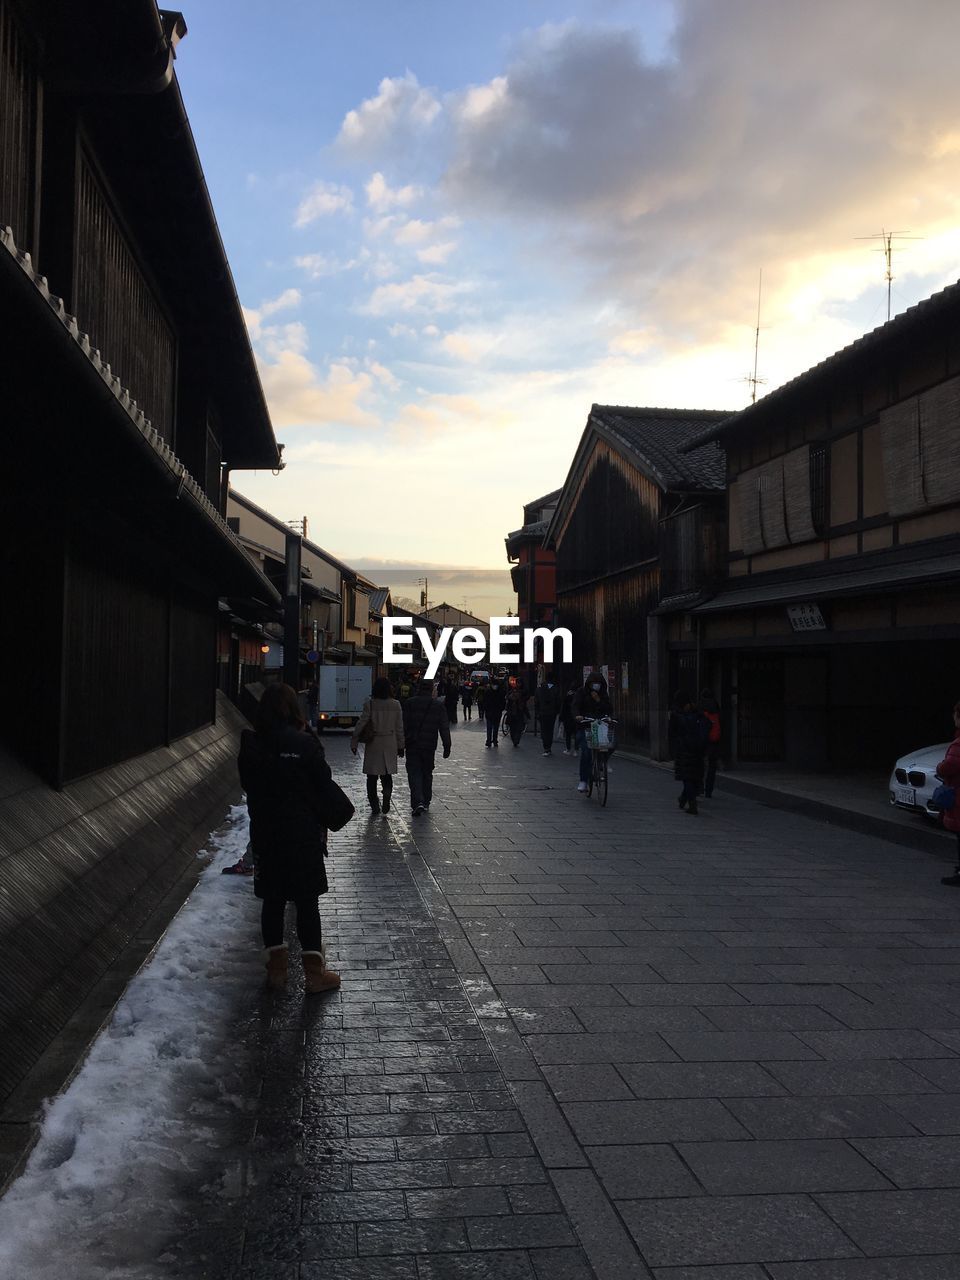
(455, 227)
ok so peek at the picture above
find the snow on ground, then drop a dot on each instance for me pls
(109, 1180)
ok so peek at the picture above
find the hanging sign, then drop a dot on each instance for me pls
(806, 617)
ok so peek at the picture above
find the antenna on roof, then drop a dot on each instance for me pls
(752, 379)
(886, 239)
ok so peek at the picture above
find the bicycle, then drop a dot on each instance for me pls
(600, 735)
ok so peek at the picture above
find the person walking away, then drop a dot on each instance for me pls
(479, 693)
(383, 712)
(313, 702)
(547, 701)
(591, 703)
(568, 720)
(710, 709)
(688, 731)
(283, 771)
(948, 771)
(451, 696)
(424, 720)
(466, 699)
(494, 701)
(517, 714)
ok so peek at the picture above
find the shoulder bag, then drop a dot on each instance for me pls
(367, 733)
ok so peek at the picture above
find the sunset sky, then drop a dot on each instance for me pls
(455, 226)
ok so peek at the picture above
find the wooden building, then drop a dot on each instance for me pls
(335, 615)
(635, 514)
(534, 574)
(129, 392)
(834, 635)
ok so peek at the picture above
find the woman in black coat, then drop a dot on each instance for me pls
(283, 771)
(689, 731)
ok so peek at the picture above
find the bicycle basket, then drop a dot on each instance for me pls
(601, 737)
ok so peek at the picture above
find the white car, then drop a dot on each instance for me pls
(913, 780)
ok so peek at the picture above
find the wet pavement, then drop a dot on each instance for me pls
(620, 1042)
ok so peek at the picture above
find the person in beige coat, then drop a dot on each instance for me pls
(380, 754)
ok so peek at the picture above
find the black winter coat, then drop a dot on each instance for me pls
(424, 720)
(494, 701)
(688, 736)
(283, 774)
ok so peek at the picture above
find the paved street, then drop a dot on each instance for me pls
(619, 1042)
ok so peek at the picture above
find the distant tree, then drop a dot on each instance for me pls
(404, 604)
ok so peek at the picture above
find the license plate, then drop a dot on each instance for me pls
(346, 721)
(905, 795)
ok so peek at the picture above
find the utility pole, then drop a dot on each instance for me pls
(291, 611)
(886, 239)
(424, 585)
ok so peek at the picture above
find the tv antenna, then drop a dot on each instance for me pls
(752, 379)
(887, 246)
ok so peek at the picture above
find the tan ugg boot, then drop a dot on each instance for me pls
(316, 976)
(275, 958)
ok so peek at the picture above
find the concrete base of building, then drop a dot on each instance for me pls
(93, 876)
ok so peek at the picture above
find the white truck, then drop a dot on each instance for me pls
(342, 691)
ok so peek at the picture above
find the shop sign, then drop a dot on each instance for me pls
(806, 617)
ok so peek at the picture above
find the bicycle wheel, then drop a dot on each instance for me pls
(602, 778)
(593, 773)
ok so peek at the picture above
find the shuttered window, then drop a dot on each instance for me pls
(775, 506)
(18, 131)
(920, 438)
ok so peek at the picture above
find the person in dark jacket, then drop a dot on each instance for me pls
(466, 699)
(689, 731)
(948, 771)
(568, 719)
(591, 703)
(494, 701)
(451, 696)
(283, 771)
(547, 701)
(710, 709)
(517, 714)
(424, 720)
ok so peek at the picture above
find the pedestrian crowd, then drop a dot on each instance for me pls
(294, 802)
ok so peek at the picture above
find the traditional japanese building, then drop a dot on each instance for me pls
(636, 519)
(129, 392)
(533, 573)
(834, 634)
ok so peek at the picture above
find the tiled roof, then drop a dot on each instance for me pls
(929, 309)
(378, 600)
(656, 438)
(548, 500)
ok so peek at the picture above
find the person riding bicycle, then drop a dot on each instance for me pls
(591, 703)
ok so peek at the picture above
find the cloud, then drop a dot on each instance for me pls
(419, 293)
(300, 395)
(254, 316)
(321, 265)
(289, 298)
(436, 254)
(771, 135)
(400, 107)
(382, 197)
(321, 200)
(415, 231)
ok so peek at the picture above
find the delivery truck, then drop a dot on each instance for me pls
(341, 694)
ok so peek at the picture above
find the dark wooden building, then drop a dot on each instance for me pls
(128, 392)
(636, 519)
(835, 632)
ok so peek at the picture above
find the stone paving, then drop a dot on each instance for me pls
(620, 1042)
